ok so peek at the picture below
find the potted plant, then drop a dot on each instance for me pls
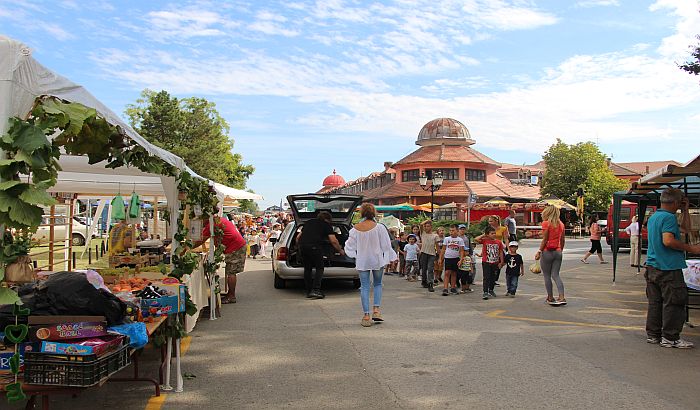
(15, 258)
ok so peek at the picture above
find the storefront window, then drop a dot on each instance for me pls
(475, 175)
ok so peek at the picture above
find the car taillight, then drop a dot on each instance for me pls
(282, 253)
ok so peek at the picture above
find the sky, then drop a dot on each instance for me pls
(312, 86)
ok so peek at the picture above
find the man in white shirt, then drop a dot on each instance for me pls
(633, 231)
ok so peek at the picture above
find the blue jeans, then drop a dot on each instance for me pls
(512, 282)
(364, 288)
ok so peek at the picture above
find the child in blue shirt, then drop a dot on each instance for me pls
(410, 252)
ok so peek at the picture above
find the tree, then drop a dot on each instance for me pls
(693, 65)
(192, 129)
(569, 167)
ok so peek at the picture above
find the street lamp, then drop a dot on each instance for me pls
(435, 184)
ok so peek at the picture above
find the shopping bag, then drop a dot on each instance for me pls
(535, 267)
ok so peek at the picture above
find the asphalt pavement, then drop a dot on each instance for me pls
(277, 349)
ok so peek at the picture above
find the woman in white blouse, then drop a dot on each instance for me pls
(370, 245)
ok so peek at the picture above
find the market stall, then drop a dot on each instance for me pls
(56, 137)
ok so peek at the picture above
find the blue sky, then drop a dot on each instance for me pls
(309, 87)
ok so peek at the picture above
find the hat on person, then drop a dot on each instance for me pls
(513, 243)
(412, 236)
(462, 226)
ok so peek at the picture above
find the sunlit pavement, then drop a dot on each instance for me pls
(276, 349)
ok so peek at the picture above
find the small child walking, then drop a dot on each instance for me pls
(254, 243)
(452, 254)
(514, 268)
(410, 252)
(402, 255)
(491, 260)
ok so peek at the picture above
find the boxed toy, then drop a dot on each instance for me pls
(164, 300)
(84, 347)
(67, 331)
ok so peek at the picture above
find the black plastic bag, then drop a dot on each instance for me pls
(67, 293)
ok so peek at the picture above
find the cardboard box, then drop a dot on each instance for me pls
(165, 305)
(67, 331)
(82, 349)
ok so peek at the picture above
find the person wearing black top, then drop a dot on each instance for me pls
(514, 268)
(312, 240)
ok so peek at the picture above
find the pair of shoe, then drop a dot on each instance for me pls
(424, 284)
(486, 296)
(603, 262)
(584, 261)
(467, 290)
(454, 291)
(366, 322)
(435, 282)
(678, 344)
(492, 294)
(508, 294)
(445, 292)
(431, 287)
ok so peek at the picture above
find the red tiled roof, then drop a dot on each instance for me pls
(515, 168)
(620, 170)
(641, 167)
(438, 153)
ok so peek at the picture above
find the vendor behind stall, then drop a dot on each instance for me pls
(234, 253)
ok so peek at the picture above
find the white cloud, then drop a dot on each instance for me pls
(597, 3)
(688, 21)
(184, 23)
(57, 31)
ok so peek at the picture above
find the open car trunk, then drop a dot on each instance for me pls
(331, 258)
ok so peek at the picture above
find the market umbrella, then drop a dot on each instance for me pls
(392, 222)
(558, 203)
(496, 200)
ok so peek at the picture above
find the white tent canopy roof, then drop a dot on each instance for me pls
(23, 79)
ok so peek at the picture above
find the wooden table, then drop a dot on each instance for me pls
(33, 391)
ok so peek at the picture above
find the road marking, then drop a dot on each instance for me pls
(633, 313)
(185, 345)
(156, 402)
(499, 314)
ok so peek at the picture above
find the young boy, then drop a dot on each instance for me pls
(452, 254)
(410, 253)
(465, 270)
(491, 258)
(402, 255)
(514, 268)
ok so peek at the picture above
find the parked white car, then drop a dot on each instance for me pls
(42, 234)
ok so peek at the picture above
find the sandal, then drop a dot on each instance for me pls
(227, 301)
(561, 301)
(366, 322)
(584, 261)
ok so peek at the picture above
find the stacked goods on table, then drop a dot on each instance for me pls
(72, 351)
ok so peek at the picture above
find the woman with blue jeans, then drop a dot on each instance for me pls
(369, 243)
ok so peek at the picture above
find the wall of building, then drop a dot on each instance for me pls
(490, 170)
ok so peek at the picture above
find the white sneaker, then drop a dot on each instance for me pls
(679, 344)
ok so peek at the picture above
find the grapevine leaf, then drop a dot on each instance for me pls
(25, 214)
(8, 296)
(29, 137)
(37, 195)
(5, 185)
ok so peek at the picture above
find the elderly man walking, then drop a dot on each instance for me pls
(666, 289)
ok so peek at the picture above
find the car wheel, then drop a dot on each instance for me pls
(77, 240)
(279, 282)
(356, 283)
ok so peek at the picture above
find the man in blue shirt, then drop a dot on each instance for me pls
(666, 289)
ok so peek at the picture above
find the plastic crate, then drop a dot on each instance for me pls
(74, 371)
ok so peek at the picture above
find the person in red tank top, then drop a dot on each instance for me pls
(550, 253)
(234, 252)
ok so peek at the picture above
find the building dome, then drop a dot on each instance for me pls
(333, 180)
(446, 131)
